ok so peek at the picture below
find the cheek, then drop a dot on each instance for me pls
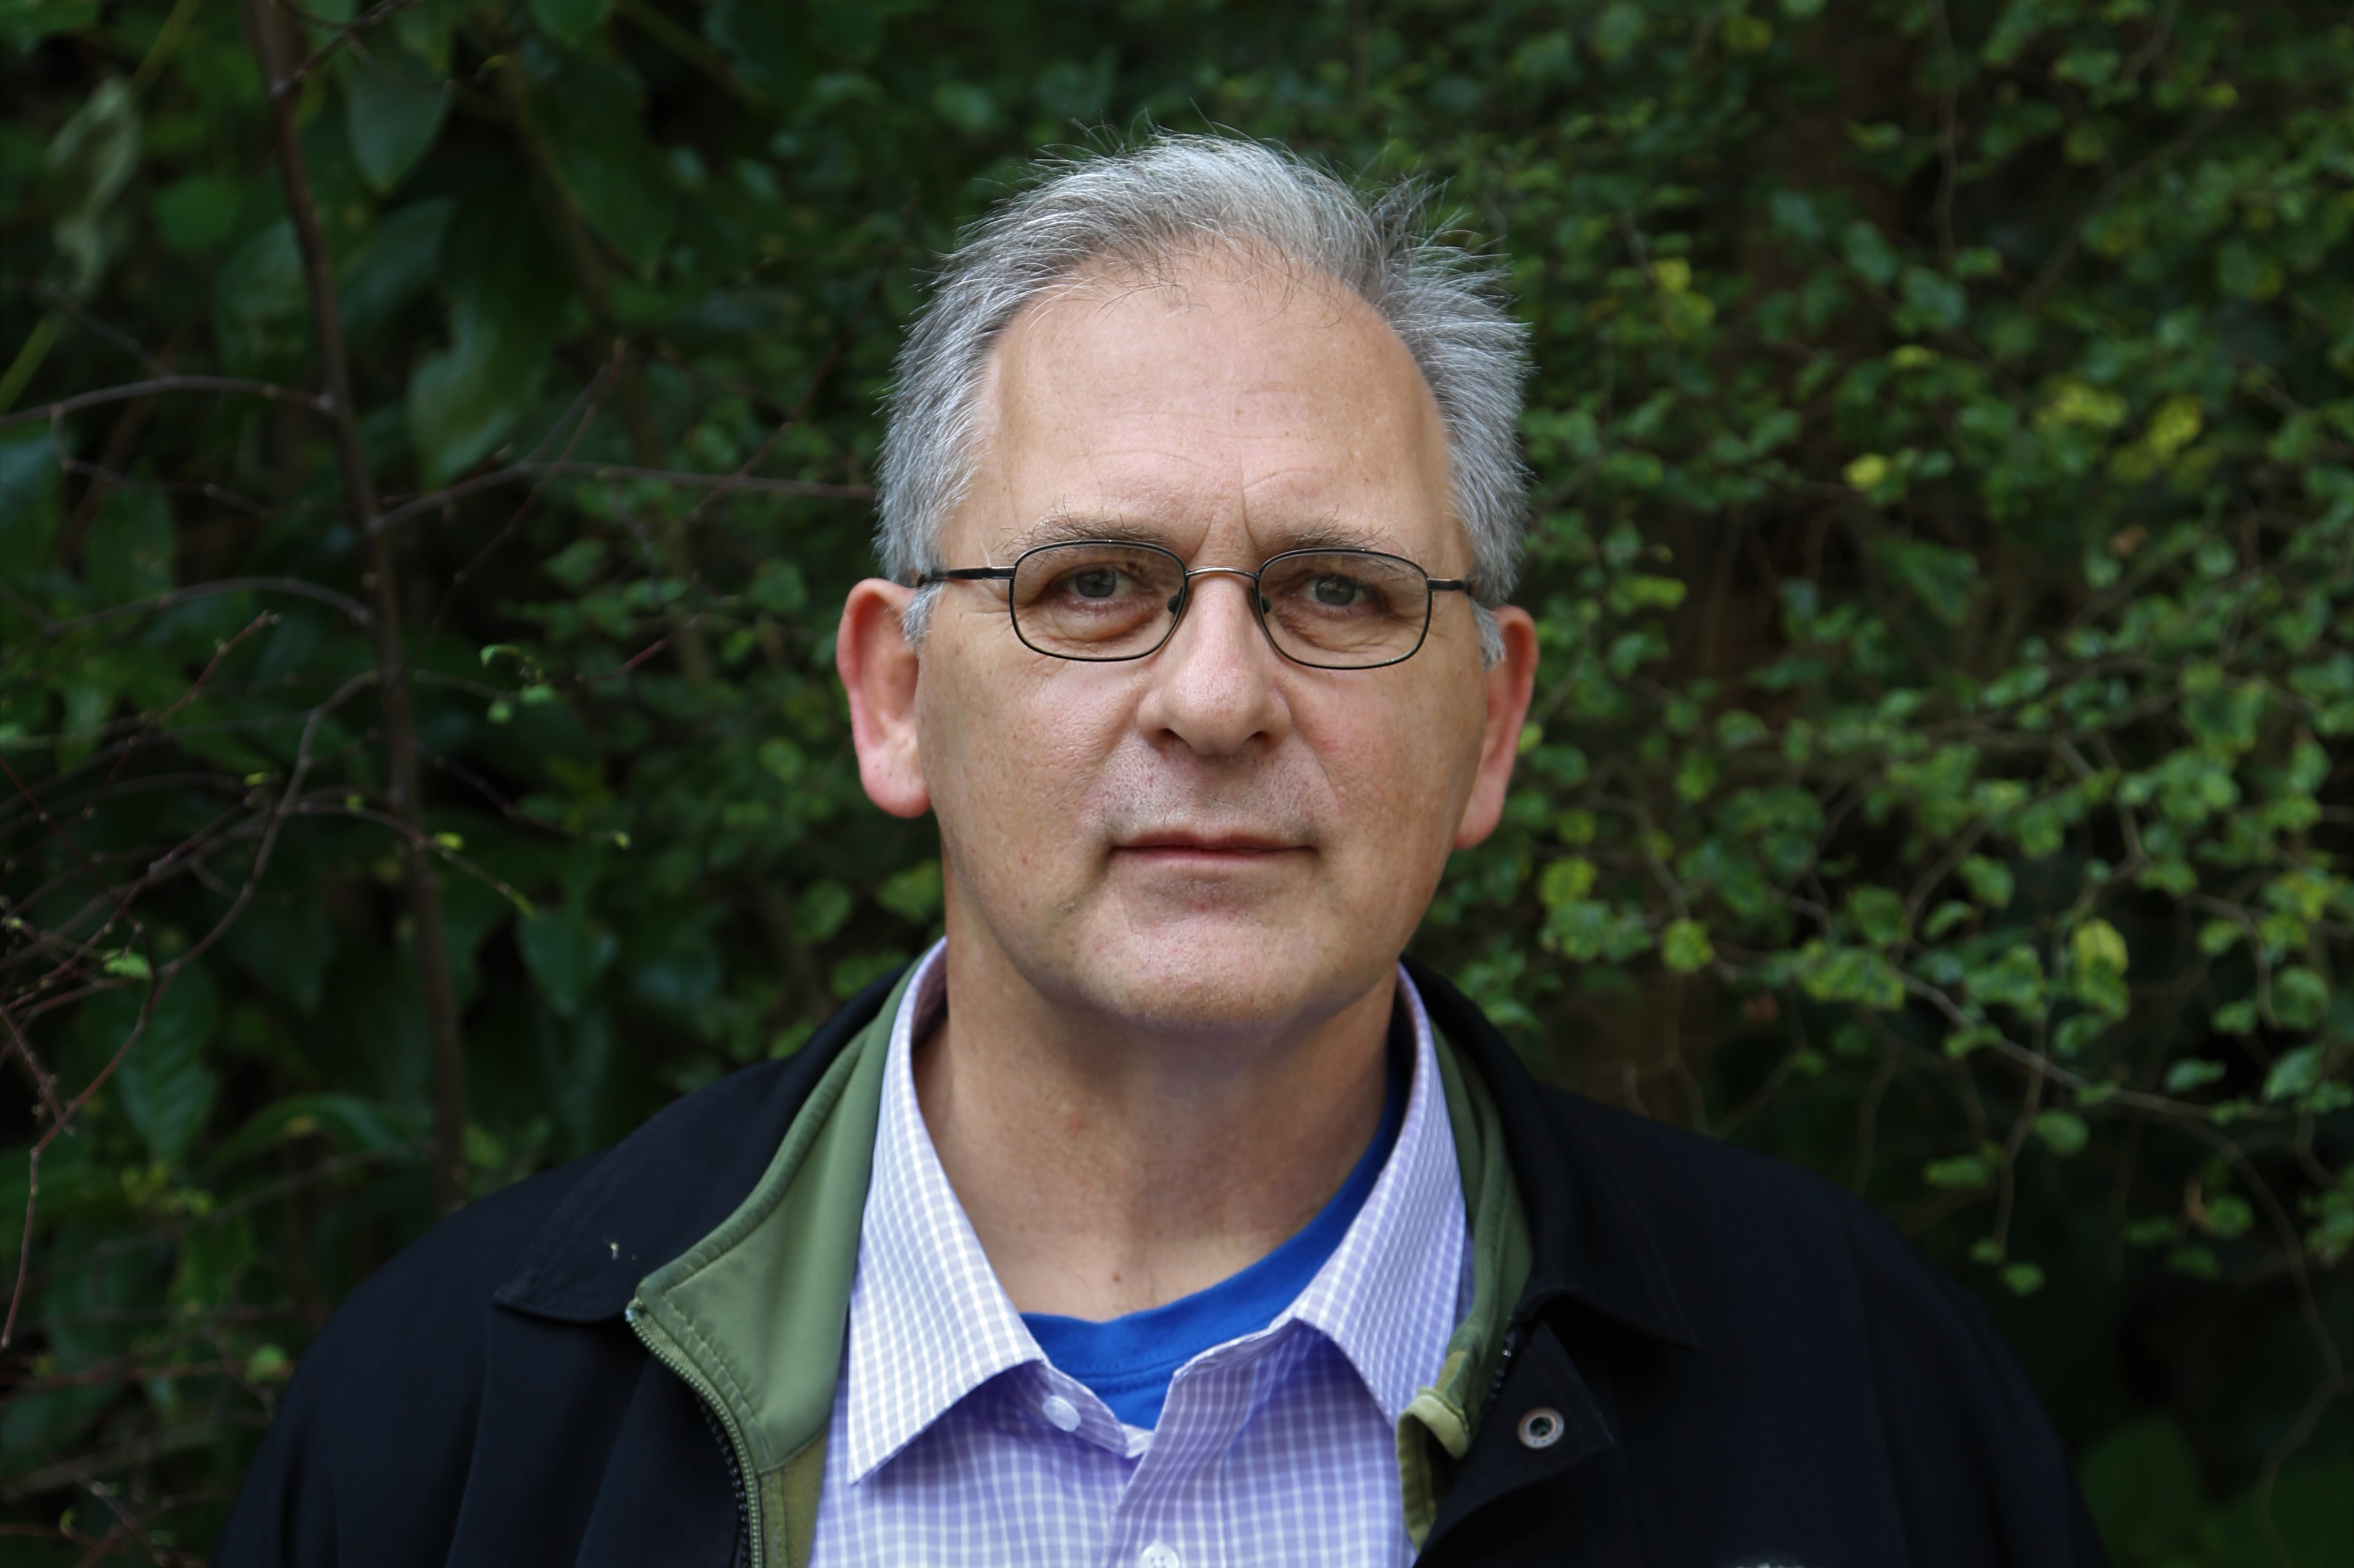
(1400, 769)
(1008, 759)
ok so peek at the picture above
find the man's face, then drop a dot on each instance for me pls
(1210, 839)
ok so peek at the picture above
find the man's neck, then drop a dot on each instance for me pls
(1108, 1169)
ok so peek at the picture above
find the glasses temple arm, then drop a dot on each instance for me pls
(967, 574)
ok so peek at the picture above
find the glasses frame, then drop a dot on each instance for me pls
(1184, 600)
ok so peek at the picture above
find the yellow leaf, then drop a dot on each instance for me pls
(2098, 946)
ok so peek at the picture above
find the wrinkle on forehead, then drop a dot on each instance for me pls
(1064, 524)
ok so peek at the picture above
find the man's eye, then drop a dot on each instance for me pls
(1336, 592)
(1101, 582)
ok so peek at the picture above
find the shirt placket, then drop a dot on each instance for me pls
(1173, 1512)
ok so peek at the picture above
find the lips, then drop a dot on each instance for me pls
(1182, 842)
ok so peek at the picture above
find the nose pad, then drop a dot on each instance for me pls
(1258, 602)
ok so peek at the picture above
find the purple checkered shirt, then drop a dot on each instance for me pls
(954, 1440)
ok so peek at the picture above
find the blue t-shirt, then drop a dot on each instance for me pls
(1129, 1361)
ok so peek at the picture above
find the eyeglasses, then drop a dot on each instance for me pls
(1103, 600)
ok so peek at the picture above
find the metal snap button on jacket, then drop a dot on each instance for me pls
(1540, 1427)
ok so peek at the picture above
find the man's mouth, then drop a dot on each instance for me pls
(1212, 847)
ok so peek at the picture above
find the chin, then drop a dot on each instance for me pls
(1215, 977)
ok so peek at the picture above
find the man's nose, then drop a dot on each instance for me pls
(1213, 683)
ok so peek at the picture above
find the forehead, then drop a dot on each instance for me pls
(1204, 400)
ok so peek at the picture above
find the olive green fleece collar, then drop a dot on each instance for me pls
(754, 1315)
(1436, 1427)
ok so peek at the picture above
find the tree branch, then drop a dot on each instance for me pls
(434, 983)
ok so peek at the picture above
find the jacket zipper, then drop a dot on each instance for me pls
(735, 1480)
(1514, 1333)
(747, 1501)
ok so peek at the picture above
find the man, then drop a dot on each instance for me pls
(1159, 1216)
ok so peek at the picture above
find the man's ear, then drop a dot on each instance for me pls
(878, 673)
(1510, 681)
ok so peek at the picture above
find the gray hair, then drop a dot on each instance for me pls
(1162, 201)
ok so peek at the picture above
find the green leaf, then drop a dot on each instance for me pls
(2142, 1485)
(397, 263)
(1953, 911)
(1587, 929)
(1944, 579)
(128, 965)
(29, 512)
(2192, 1073)
(2229, 1217)
(394, 104)
(1565, 881)
(1989, 881)
(1962, 1174)
(566, 952)
(24, 23)
(91, 159)
(463, 401)
(260, 306)
(622, 186)
(195, 213)
(2014, 981)
(2063, 1132)
(2234, 1017)
(2293, 1073)
(853, 972)
(1684, 947)
(167, 1090)
(2097, 946)
(913, 895)
(2300, 997)
(968, 108)
(2217, 937)
(285, 946)
(570, 20)
(763, 42)
(1963, 1042)
(1849, 974)
(350, 1125)
(1878, 916)
(130, 552)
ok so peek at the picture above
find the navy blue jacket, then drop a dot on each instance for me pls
(1753, 1369)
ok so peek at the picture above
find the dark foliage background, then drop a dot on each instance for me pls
(427, 487)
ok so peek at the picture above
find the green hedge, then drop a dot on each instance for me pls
(1943, 556)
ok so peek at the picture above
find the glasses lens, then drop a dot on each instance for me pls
(1345, 610)
(1096, 602)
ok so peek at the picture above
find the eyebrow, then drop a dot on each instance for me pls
(1326, 534)
(1061, 527)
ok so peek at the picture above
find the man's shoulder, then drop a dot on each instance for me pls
(1696, 1184)
(560, 1243)
(1763, 1252)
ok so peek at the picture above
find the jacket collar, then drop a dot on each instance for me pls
(675, 1179)
(1590, 1242)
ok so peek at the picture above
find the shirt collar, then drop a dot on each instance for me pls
(1389, 1296)
(930, 1322)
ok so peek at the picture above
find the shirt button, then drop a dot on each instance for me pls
(1159, 1554)
(1060, 1413)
